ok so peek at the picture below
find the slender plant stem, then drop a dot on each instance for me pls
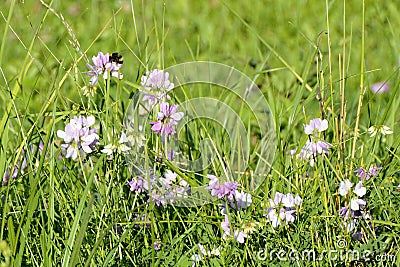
(360, 99)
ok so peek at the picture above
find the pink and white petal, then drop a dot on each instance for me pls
(90, 120)
(323, 126)
(177, 116)
(87, 149)
(61, 134)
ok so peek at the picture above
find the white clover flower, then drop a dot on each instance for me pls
(120, 147)
(208, 253)
(383, 129)
(108, 149)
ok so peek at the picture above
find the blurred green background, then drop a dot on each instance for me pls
(161, 33)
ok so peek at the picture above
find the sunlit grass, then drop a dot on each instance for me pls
(307, 65)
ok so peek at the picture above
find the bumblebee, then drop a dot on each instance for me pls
(117, 58)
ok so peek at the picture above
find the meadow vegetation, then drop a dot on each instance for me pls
(85, 184)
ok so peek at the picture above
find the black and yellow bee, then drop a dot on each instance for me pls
(117, 58)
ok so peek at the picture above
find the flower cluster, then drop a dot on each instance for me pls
(155, 86)
(283, 208)
(356, 201)
(228, 191)
(225, 190)
(104, 64)
(170, 188)
(236, 199)
(79, 137)
(163, 191)
(204, 253)
(383, 130)
(366, 175)
(314, 144)
(119, 147)
(139, 184)
(354, 209)
(167, 118)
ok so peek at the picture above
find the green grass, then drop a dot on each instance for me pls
(310, 59)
